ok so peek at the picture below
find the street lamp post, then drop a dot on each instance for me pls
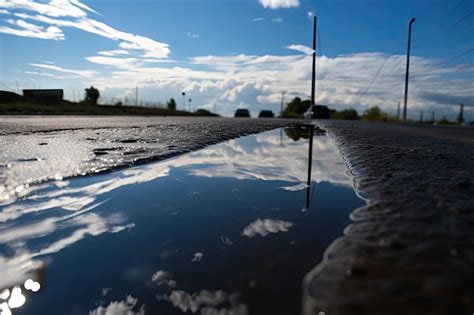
(407, 69)
(190, 107)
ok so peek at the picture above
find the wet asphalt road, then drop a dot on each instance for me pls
(42, 148)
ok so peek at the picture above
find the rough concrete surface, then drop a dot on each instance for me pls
(411, 248)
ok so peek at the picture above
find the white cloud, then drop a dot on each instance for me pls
(55, 8)
(112, 53)
(304, 49)
(45, 74)
(74, 14)
(81, 73)
(277, 20)
(25, 29)
(125, 63)
(256, 81)
(311, 14)
(193, 35)
(257, 19)
(277, 4)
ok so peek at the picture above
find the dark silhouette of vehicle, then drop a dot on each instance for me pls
(318, 111)
(242, 113)
(266, 114)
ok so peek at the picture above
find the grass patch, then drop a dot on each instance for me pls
(69, 108)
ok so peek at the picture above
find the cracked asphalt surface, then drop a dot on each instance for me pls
(410, 250)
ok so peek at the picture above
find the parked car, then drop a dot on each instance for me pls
(242, 113)
(317, 112)
(266, 114)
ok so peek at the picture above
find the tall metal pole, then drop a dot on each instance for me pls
(313, 78)
(461, 114)
(136, 96)
(281, 108)
(398, 111)
(408, 69)
(421, 116)
(184, 100)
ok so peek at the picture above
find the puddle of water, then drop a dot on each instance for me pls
(222, 229)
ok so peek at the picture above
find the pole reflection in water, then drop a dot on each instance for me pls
(310, 164)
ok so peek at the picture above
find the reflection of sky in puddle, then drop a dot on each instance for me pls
(226, 219)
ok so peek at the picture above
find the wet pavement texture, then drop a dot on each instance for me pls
(411, 249)
(222, 230)
(42, 148)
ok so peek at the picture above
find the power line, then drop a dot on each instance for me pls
(461, 19)
(455, 57)
(376, 75)
(457, 6)
(444, 63)
(396, 65)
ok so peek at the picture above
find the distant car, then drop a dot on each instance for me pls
(266, 114)
(242, 113)
(317, 112)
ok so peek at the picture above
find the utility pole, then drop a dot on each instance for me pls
(184, 101)
(461, 114)
(190, 107)
(421, 116)
(281, 108)
(136, 96)
(398, 111)
(407, 69)
(313, 78)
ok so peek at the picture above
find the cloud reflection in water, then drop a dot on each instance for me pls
(123, 307)
(63, 214)
(207, 302)
(265, 227)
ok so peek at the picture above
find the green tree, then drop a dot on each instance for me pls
(373, 113)
(296, 108)
(171, 104)
(348, 114)
(92, 96)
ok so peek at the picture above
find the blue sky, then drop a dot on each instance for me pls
(242, 53)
